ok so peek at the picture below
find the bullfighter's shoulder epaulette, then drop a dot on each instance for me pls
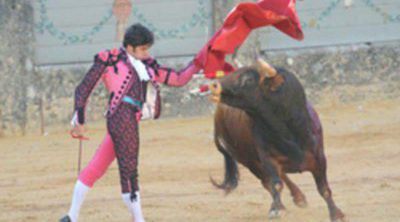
(108, 57)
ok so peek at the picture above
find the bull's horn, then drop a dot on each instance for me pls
(266, 69)
(237, 63)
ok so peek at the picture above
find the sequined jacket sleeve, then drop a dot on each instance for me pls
(170, 76)
(85, 88)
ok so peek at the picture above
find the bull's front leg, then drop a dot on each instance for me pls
(270, 176)
(275, 189)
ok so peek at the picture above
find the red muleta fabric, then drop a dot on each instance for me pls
(237, 26)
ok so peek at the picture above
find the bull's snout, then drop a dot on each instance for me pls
(216, 90)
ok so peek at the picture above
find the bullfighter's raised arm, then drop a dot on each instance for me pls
(170, 76)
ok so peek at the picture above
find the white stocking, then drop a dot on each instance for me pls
(78, 197)
(134, 206)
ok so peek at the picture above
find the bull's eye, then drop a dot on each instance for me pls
(247, 81)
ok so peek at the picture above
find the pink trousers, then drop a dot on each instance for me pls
(100, 162)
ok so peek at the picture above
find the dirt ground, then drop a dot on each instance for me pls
(37, 173)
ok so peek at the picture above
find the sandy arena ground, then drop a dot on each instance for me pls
(37, 173)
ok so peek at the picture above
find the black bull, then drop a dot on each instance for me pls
(264, 122)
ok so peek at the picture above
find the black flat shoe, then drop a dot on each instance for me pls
(66, 219)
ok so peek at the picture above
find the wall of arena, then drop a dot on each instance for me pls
(34, 98)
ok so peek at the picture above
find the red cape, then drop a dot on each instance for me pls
(237, 26)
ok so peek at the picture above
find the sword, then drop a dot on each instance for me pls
(80, 138)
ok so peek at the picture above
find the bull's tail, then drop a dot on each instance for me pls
(231, 170)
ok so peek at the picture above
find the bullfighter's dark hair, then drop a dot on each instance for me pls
(137, 35)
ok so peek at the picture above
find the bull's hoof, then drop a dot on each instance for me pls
(302, 203)
(343, 219)
(275, 214)
(339, 217)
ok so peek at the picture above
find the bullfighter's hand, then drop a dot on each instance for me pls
(78, 131)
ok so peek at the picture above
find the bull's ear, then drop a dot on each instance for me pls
(265, 70)
(275, 83)
(270, 78)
